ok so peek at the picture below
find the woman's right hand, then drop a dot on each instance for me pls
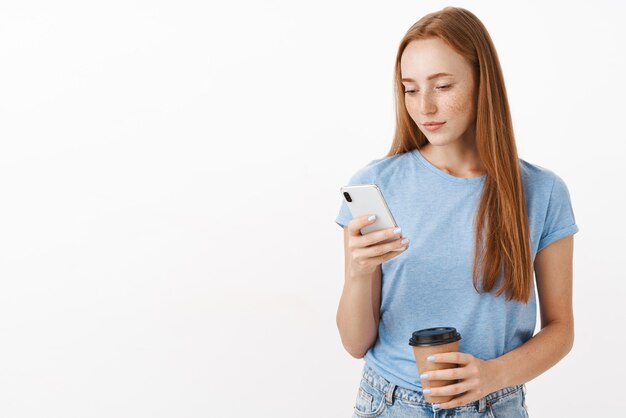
(365, 251)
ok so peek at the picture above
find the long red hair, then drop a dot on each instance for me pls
(503, 247)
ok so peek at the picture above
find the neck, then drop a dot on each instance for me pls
(459, 158)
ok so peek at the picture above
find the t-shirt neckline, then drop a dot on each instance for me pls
(467, 180)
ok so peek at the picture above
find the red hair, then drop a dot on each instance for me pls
(503, 247)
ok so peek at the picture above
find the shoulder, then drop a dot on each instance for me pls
(381, 168)
(539, 179)
(542, 185)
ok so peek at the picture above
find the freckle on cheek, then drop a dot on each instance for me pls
(459, 103)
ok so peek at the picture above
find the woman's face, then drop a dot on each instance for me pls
(450, 98)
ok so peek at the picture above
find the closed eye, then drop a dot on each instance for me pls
(438, 87)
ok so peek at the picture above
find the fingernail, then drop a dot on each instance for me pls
(404, 241)
(427, 391)
(371, 218)
(397, 230)
(430, 358)
(436, 406)
(424, 376)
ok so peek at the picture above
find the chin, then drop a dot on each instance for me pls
(439, 140)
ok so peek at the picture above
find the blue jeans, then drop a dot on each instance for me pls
(377, 397)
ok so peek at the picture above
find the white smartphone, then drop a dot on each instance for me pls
(368, 199)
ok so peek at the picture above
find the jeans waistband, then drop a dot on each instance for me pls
(390, 389)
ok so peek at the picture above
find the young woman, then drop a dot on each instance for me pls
(444, 183)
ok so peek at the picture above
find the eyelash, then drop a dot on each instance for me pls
(439, 87)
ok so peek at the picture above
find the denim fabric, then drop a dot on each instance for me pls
(377, 397)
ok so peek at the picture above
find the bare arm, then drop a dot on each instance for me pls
(553, 269)
(359, 308)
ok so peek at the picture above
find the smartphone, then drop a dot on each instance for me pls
(368, 199)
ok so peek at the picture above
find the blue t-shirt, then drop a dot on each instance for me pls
(430, 284)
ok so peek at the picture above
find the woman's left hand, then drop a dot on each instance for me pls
(477, 378)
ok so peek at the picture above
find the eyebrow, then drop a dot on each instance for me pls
(430, 77)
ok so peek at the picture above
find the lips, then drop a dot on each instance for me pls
(433, 126)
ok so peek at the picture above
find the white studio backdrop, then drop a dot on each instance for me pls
(170, 173)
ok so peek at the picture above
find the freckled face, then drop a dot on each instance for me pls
(450, 98)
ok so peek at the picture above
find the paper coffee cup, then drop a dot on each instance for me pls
(429, 341)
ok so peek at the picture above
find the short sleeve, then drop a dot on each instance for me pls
(560, 221)
(344, 215)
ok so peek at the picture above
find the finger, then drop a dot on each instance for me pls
(384, 247)
(375, 237)
(452, 389)
(391, 254)
(456, 357)
(460, 401)
(355, 225)
(447, 374)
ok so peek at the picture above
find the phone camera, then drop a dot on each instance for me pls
(347, 196)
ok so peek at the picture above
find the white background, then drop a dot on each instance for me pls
(170, 173)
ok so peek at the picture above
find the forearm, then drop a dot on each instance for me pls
(355, 318)
(535, 356)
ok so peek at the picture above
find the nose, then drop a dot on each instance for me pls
(427, 103)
